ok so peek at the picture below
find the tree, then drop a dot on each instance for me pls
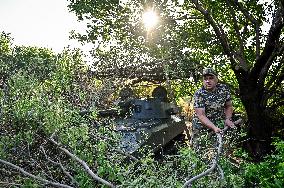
(255, 57)
(240, 37)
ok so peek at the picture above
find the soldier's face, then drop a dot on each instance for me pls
(210, 82)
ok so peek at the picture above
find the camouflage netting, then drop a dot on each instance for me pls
(154, 71)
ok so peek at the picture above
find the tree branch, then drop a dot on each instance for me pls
(270, 46)
(84, 164)
(33, 176)
(218, 30)
(221, 171)
(61, 166)
(254, 21)
(215, 160)
(264, 70)
(236, 27)
(222, 38)
(213, 166)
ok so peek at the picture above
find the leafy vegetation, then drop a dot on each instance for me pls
(42, 94)
(268, 173)
(45, 140)
(242, 40)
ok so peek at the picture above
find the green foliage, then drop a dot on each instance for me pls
(29, 183)
(227, 35)
(37, 101)
(233, 175)
(270, 172)
(42, 94)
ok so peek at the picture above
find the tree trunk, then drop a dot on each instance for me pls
(259, 124)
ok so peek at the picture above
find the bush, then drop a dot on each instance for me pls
(270, 172)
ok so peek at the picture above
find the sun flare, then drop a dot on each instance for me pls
(150, 19)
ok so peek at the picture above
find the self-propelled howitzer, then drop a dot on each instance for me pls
(151, 122)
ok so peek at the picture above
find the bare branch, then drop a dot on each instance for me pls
(215, 160)
(10, 184)
(213, 166)
(60, 165)
(236, 27)
(270, 48)
(83, 163)
(265, 69)
(221, 171)
(33, 176)
(254, 21)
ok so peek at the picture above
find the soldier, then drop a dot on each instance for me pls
(125, 101)
(212, 105)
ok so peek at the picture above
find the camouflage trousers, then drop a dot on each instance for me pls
(205, 142)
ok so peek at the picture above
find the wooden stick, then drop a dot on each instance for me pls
(33, 176)
(215, 160)
(84, 164)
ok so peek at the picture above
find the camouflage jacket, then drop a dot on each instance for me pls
(213, 102)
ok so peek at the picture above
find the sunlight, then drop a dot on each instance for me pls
(150, 19)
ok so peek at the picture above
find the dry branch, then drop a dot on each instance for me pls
(213, 166)
(215, 160)
(61, 166)
(10, 184)
(54, 184)
(84, 164)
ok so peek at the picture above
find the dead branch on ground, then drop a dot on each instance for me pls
(83, 163)
(45, 181)
(214, 160)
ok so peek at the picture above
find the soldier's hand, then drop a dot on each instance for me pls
(229, 123)
(216, 129)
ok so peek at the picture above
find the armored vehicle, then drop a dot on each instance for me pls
(151, 122)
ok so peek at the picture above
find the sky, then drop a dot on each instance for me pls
(41, 23)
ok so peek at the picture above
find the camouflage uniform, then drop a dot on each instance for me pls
(213, 103)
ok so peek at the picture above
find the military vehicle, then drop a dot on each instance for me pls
(151, 122)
